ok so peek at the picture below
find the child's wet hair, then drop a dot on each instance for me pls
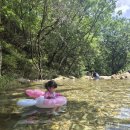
(50, 84)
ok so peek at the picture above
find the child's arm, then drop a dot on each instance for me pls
(58, 94)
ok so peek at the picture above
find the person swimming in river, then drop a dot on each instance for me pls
(51, 94)
(95, 75)
(47, 99)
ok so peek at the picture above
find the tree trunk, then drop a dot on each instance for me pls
(0, 59)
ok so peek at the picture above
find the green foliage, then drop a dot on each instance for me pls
(8, 82)
(15, 61)
(115, 45)
(43, 39)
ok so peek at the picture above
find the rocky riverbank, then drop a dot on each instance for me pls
(125, 75)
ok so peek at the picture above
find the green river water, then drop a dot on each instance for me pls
(92, 105)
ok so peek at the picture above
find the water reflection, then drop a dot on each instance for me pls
(91, 104)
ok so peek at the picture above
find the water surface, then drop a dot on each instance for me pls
(91, 105)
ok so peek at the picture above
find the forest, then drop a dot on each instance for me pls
(41, 39)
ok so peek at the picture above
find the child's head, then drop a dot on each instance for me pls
(50, 85)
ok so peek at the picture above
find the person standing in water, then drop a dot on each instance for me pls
(95, 75)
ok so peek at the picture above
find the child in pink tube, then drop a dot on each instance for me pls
(51, 94)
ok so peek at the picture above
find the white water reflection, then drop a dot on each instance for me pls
(124, 113)
(116, 126)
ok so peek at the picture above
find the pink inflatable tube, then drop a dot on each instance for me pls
(51, 103)
(41, 102)
(34, 93)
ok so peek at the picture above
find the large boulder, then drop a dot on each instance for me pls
(60, 78)
(71, 77)
(22, 80)
(114, 76)
(125, 75)
(105, 77)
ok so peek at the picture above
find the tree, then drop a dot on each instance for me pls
(0, 58)
(116, 44)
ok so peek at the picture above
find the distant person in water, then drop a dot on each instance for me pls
(95, 76)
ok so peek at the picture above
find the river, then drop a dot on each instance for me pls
(92, 105)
